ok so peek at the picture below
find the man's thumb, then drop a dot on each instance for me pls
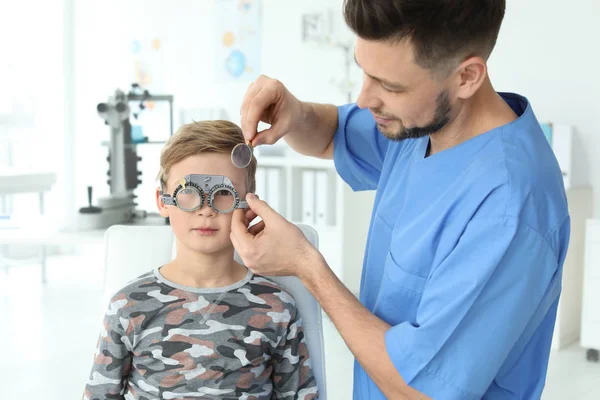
(268, 136)
(261, 208)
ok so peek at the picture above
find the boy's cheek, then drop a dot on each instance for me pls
(178, 220)
(226, 222)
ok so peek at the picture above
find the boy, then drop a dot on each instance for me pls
(202, 326)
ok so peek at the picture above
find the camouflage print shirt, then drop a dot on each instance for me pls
(162, 340)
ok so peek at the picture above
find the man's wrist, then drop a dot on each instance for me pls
(307, 115)
(312, 266)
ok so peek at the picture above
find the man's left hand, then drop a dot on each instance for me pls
(274, 246)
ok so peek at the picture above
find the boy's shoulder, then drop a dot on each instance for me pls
(269, 289)
(142, 284)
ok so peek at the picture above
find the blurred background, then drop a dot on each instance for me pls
(89, 92)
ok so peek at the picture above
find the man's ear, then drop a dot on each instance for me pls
(162, 208)
(471, 74)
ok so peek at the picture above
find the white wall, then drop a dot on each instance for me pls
(548, 52)
(103, 35)
(31, 65)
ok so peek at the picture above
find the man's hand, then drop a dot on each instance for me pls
(274, 246)
(308, 127)
(269, 101)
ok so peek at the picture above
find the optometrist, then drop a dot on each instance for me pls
(470, 227)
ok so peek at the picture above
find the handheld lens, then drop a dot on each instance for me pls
(241, 155)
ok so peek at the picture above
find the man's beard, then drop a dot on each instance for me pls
(440, 119)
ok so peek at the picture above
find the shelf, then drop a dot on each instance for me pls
(294, 161)
(319, 228)
(131, 145)
(17, 120)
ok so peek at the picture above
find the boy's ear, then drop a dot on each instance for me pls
(162, 208)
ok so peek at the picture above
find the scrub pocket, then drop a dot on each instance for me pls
(399, 294)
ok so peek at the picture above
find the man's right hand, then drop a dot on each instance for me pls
(269, 101)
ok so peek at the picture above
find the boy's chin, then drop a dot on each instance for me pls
(207, 248)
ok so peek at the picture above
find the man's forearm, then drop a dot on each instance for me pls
(315, 136)
(363, 332)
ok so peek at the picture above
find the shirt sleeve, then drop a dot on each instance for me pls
(477, 306)
(358, 148)
(112, 359)
(292, 370)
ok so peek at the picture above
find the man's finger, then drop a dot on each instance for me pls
(247, 97)
(235, 243)
(239, 228)
(248, 91)
(250, 215)
(256, 229)
(261, 208)
(251, 93)
(237, 247)
(267, 136)
(256, 109)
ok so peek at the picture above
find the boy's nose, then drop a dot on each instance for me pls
(205, 210)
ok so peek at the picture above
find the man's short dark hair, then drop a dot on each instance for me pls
(440, 31)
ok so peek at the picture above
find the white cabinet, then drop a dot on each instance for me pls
(566, 144)
(567, 149)
(590, 316)
(568, 319)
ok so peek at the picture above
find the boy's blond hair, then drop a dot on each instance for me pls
(217, 136)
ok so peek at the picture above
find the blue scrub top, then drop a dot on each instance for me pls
(464, 254)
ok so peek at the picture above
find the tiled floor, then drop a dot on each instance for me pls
(48, 333)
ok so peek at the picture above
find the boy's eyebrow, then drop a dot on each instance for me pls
(175, 182)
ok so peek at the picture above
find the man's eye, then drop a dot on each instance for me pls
(223, 193)
(389, 89)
